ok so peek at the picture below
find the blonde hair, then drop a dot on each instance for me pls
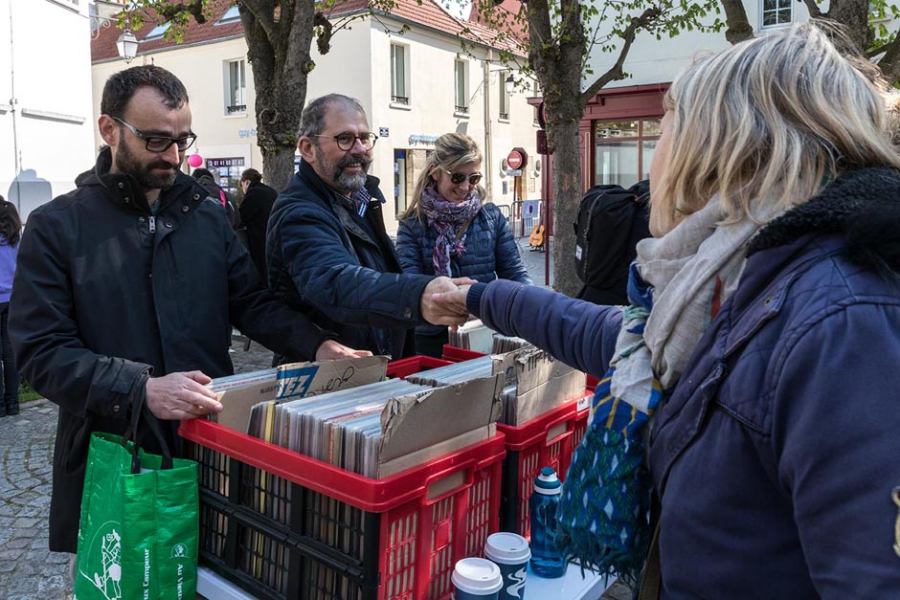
(451, 151)
(774, 119)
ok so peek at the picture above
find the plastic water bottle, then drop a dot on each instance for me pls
(546, 560)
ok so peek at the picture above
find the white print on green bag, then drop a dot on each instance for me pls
(110, 573)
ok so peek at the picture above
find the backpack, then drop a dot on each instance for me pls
(611, 221)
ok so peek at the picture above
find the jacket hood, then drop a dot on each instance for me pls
(125, 187)
(863, 206)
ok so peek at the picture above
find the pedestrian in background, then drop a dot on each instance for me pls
(762, 337)
(448, 230)
(255, 210)
(206, 178)
(10, 234)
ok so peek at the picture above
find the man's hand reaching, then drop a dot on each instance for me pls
(181, 396)
(332, 350)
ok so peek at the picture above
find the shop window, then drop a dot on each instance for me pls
(623, 150)
(235, 87)
(776, 13)
(229, 171)
(461, 87)
(401, 182)
(399, 75)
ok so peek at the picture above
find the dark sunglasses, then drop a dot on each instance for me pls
(345, 140)
(159, 143)
(458, 178)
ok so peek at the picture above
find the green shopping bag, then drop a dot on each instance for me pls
(138, 534)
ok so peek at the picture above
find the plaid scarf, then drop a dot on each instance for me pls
(676, 287)
(446, 218)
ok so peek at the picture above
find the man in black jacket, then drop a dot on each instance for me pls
(129, 286)
(255, 209)
(327, 249)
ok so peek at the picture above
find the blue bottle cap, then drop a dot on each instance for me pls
(547, 482)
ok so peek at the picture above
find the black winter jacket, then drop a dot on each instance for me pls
(106, 293)
(255, 210)
(340, 269)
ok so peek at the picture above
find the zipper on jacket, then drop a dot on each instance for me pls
(152, 224)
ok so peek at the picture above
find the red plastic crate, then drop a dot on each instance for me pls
(454, 354)
(414, 364)
(546, 441)
(283, 525)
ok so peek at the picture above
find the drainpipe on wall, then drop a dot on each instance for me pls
(12, 103)
(488, 167)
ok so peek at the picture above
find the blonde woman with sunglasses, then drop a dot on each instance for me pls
(447, 230)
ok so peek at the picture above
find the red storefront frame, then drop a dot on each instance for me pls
(614, 104)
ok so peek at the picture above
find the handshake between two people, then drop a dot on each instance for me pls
(444, 301)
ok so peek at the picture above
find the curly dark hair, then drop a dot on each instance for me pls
(10, 223)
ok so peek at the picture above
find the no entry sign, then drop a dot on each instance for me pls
(515, 160)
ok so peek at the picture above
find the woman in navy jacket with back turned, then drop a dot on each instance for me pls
(10, 234)
(763, 337)
(448, 231)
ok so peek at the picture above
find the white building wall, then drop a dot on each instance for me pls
(653, 61)
(45, 101)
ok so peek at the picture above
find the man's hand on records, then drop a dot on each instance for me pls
(332, 350)
(181, 396)
(442, 314)
(454, 302)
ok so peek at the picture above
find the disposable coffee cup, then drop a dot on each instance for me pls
(511, 553)
(476, 579)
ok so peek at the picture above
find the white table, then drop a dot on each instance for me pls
(569, 587)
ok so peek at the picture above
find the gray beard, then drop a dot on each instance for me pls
(352, 182)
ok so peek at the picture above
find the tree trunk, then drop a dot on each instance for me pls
(567, 192)
(739, 28)
(278, 51)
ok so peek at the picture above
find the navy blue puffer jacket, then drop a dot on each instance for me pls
(491, 251)
(775, 455)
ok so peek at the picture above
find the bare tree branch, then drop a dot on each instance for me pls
(617, 72)
(813, 8)
(890, 62)
(262, 11)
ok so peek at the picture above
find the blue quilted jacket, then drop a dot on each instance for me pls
(775, 455)
(491, 252)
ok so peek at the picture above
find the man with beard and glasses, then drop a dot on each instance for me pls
(327, 250)
(127, 289)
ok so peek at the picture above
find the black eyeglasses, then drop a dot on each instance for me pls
(159, 143)
(458, 178)
(345, 140)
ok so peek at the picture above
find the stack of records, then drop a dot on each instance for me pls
(474, 335)
(341, 428)
(505, 343)
(464, 371)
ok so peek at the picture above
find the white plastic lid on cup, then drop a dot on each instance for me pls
(507, 549)
(477, 576)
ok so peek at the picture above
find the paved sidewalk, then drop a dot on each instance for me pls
(28, 570)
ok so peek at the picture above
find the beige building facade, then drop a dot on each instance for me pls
(415, 86)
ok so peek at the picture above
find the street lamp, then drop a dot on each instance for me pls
(510, 84)
(127, 42)
(127, 45)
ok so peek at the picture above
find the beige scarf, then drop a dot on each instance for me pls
(692, 269)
